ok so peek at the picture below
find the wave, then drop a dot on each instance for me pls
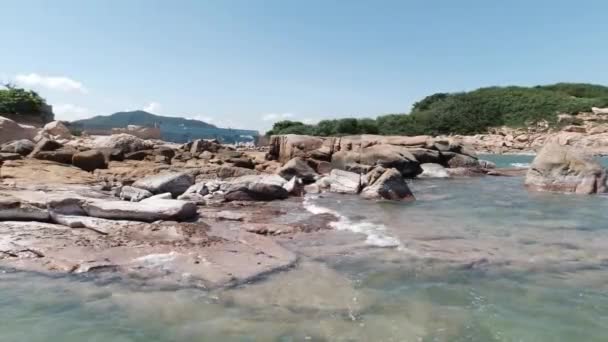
(376, 233)
(522, 165)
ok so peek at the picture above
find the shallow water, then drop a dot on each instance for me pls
(474, 259)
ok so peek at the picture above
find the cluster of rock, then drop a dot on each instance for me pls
(587, 131)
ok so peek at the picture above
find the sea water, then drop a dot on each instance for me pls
(472, 259)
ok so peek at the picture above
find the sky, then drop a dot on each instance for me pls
(250, 63)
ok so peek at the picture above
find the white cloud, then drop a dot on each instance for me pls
(153, 107)
(60, 83)
(70, 112)
(276, 116)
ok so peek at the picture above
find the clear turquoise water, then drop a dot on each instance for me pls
(479, 259)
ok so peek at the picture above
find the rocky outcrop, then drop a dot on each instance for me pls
(298, 167)
(56, 130)
(173, 182)
(563, 169)
(11, 130)
(286, 147)
(342, 182)
(390, 185)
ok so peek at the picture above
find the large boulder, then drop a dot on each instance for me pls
(22, 147)
(148, 210)
(57, 130)
(298, 167)
(11, 130)
(90, 160)
(45, 144)
(62, 155)
(173, 182)
(387, 156)
(563, 169)
(125, 142)
(201, 145)
(285, 147)
(255, 188)
(455, 160)
(342, 182)
(390, 185)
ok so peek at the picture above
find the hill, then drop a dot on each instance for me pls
(174, 129)
(468, 112)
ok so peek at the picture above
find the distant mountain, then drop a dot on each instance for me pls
(173, 129)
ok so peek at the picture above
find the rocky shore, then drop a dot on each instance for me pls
(201, 214)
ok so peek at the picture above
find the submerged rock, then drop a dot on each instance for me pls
(432, 170)
(563, 169)
(175, 183)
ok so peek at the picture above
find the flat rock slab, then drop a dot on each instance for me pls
(148, 210)
(34, 171)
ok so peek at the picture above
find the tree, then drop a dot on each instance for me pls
(15, 100)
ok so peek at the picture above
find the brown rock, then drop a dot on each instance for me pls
(90, 160)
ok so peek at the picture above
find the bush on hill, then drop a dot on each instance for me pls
(20, 101)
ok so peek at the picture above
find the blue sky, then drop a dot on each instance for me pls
(247, 63)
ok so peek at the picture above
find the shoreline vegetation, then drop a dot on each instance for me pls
(466, 113)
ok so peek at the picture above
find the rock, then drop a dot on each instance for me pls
(320, 166)
(166, 195)
(241, 162)
(343, 182)
(431, 170)
(294, 186)
(563, 169)
(286, 147)
(575, 129)
(175, 183)
(388, 156)
(460, 160)
(599, 111)
(201, 145)
(233, 171)
(357, 168)
(390, 185)
(63, 155)
(206, 155)
(11, 130)
(148, 210)
(9, 156)
(129, 193)
(138, 155)
(57, 130)
(112, 154)
(33, 171)
(165, 151)
(256, 188)
(424, 155)
(125, 142)
(297, 167)
(90, 160)
(195, 193)
(162, 159)
(22, 147)
(486, 164)
(45, 145)
(313, 188)
(14, 209)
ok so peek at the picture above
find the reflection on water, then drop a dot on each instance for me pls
(480, 260)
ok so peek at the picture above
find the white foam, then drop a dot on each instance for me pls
(376, 233)
(522, 165)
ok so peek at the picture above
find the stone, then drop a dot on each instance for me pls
(486, 164)
(206, 155)
(57, 130)
(286, 147)
(255, 188)
(9, 156)
(90, 160)
(563, 169)
(343, 182)
(432, 170)
(46, 145)
(165, 151)
(320, 166)
(390, 185)
(33, 171)
(138, 155)
(62, 156)
(241, 162)
(298, 167)
(575, 129)
(388, 156)
(166, 195)
(424, 155)
(232, 171)
(599, 111)
(22, 147)
(147, 210)
(173, 182)
(294, 186)
(11, 130)
(195, 193)
(455, 160)
(125, 142)
(129, 193)
(14, 209)
(112, 154)
(201, 145)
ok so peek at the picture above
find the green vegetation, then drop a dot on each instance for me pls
(20, 101)
(467, 112)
